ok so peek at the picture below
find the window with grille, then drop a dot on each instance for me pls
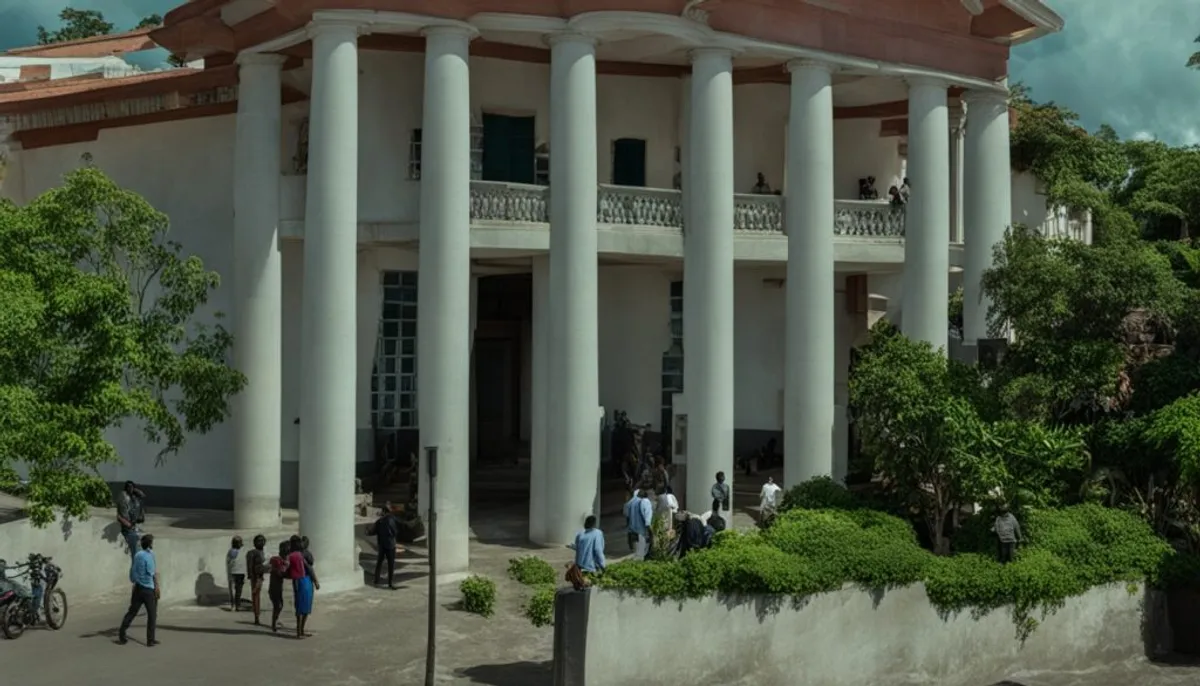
(394, 384)
(414, 154)
(541, 165)
(672, 362)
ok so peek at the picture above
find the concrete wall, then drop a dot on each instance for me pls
(846, 638)
(95, 559)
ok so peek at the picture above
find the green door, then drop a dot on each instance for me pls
(508, 148)
(629, 162)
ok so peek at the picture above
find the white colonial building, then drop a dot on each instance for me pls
(535, 208)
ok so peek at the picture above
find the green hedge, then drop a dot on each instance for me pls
(814, 551)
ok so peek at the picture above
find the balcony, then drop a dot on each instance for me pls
(509, 204)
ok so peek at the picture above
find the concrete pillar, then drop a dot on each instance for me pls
(330, 302)
(809, 356)
(444, 287)
(957, 129)
(573, 433)
(843, 337)
(927, 229)
(257, 294)
(539, 407)
(370, 309)
(987, 201)
(708, 277)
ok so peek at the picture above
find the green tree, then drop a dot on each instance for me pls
(1170, 193)
(150, 22)
(76, 25)
(97, 329)
(926, 439)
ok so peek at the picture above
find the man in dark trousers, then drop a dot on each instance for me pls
(386, 530)
(146, 591)
(1008, 533)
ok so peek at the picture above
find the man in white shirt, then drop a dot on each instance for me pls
(769, 496)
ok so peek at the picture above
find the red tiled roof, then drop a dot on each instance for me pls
(70, 92)
(94, 46)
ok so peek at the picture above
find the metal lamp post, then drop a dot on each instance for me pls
(431, 454)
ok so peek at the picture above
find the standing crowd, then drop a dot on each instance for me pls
(293, 562)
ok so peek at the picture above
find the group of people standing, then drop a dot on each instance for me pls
(294, 562)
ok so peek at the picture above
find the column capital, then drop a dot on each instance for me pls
(927, 81)
(709, 52)
(260, 59)
(455, 29)
(795, 65)
(985, 97)
(319, 27)
(559, 37)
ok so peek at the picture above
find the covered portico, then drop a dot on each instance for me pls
(567, 410)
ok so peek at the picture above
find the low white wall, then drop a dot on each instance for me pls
(846, 638)
(95, 560)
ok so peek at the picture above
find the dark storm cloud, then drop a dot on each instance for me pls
(19, 19)
(1120, 62)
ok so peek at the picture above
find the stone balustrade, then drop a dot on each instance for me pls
(493, 201)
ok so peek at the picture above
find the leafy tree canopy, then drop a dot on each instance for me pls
(97, 329)
(76, 25)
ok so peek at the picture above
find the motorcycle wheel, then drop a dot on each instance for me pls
(11, 622)
(56, 609)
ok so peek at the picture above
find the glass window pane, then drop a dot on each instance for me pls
(391, 278)
(389, 420)
(408, 279)
(408, 346)
(389, 346)
(391, 329)
(406, 401)
(409, 312)
(408, 384)
(406, 329)
(406, 365)
(389, 384)
(389, 365)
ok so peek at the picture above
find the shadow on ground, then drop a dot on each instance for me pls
(511, 674)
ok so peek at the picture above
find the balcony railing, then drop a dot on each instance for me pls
(493, 201)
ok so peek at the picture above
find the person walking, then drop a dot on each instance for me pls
(386, 529)
(304, 582)
(256, 568)
(631, 534)
(143, 574)
(235, 571)
(641, 523)
(130, 516)
(1008, 535)
(589, 547)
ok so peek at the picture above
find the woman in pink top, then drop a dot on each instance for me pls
(304, 581)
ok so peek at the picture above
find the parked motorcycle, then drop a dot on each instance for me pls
(42, 601)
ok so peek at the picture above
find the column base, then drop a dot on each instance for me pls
(256, 512)
(339, 578)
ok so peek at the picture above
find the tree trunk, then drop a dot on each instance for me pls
(941, 545)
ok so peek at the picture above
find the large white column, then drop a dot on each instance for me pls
(329, 339)
(987, 201)
(573, 432)
(809, 357)
(257, 294)
(444, 287)
(539, 406)
(957, 119)
(927, 229)
(708, 277)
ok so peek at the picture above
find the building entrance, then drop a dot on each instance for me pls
(501, 365)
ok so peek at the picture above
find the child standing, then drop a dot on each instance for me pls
(256, 567)
(275, 588)
(235, 566)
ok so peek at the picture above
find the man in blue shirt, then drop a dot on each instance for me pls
(641, 518)
(144, 577)
(589, 547)
(630, 506)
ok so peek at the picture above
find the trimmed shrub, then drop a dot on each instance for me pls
(531, 570)
(539, 609)
(813, 551)
(478, 595)
(818, 493)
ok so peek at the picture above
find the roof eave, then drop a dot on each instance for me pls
(1038, 14)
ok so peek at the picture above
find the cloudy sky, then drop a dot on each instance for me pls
(1118, 61)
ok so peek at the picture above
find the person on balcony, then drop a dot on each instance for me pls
(762, 187)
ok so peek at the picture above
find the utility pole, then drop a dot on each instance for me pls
(431, 454)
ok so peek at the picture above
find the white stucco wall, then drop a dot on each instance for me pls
(845, 638)
(184, 169)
